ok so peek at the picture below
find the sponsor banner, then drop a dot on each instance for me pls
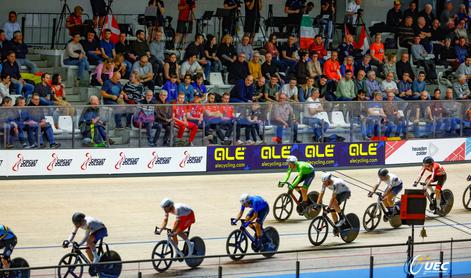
(102, 161)
(228, 158)
(468, 149)
(414, 151)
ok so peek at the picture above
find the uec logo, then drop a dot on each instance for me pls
(421, 263)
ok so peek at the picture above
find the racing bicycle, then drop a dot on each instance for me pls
(446, 202)
(467, 195)
(283, 206)
(373, 212)
(11, 272)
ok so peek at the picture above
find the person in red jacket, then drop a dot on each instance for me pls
(319, 47)
(180, 120)
(332, 67)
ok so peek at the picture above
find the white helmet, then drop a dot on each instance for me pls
(244, 198)
(166, 202)
(326, 176)
(292, 159)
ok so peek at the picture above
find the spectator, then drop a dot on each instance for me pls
(5, 82)
(243, 91)
(461, 50)
(404, 66)
(145, 71)
(436, 33)
(423, 31)
(419, 85)
(21, 119)
(272, 89)
(134, 89)
(291, 90)
(144, 117)
(74, 21)
(314, 66)
(319, 47)
(405, 33)
(74, 55)
(124, 67)
(187, 89)
(112, 94)
(239, 69)
(197, 48)
(405, 88)
(346, 88)
(11, 67)
(283, 117)
(422, 58)
(421, 111)
(195, 115)
(412, 11)
(255, 68)
(99, 13)
(288, 53)
(394, 16)
(395, 118)
(347, 65)
(245, 47)
(346, 48)
(447, 13)
(171, 67)
(389, 85)
(461, 88)
(326, 88)
(271, 46)
(200, 89)
(163, 117)
(7, 122)
(226, 51)
(332, 67)
(243, 121)
(300, 69)
(21, 49)
(270, 68)
(3, 45)
(232, 9)
(228, 117)
(427, 13)
(171, 87)
(106, 46)
(353, 9)
(294, 10)
(449, 31)
(210, 50)
(159, 8)
(390, 65)
(91, 47)
(213, 118)
(305, 91)
(122, 47)
(327, 17)
(376, 116)
(255, 117)
(186, 15)
(190, 66)
(44, 91)
(59, 97)
(157, 49)
(446, 55)
(11, 26)
(103, 72)
(451, 111)
(259, 89)
(311, 118)
(252, 17)
(360, 83)
(377, 53)
(92, 127)
(462, 13)
(465, 68)
(37, 127)
(372, 85)
(364, 64)
(139, 47)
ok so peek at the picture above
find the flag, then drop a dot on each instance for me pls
(112, 24)
(307, 32)
(363, 41)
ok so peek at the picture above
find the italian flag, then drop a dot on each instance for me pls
(307, 32)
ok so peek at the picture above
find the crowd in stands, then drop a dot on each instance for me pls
(274, 79)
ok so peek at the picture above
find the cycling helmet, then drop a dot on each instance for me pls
(383, 172)
(326, 176)
(77, 218)
(292, 159)
(428, 160)
(166, 202)
(244, 198)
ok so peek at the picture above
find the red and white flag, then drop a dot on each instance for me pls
(362, 42)
(112, 24)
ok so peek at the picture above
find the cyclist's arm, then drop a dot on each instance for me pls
(319, 200)
(85, 238)
(298, 179)
(432, 176)
(420, 175)
(72, 235)
(376, 187)
(287, 175)
(164, 222)
(239, 215)
(252, 217)
(175, 225)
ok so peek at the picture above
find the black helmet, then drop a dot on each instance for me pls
(77, 218)
(383, 172)
(428, 160)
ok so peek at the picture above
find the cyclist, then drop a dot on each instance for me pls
(185, 217)
(340, 193)
(394, 186)
(306, 174)
(95, 231)
(256, 216)
(7, 243)
(438, 175)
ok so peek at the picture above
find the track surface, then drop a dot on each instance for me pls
(39, 212)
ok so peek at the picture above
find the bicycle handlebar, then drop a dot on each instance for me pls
(468, 178)
(283, 183)
(158, 230)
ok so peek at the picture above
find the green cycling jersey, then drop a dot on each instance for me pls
(303, 168)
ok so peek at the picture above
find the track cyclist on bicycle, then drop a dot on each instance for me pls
(438, 175)
(185, 217)
(394, 186)
(7, 243)
(340, 193)
(257, 214)
(95, 231)
(306, 175)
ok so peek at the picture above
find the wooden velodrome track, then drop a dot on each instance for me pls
(39, 212)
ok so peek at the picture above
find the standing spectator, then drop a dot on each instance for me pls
(372, 85)
(44, 91)
(353, 10)
(377, 53)
(37, 127)
(327, 17)
(91, 125)
(197, 48)
(332, 67)
(11, 26)
(112, 94)
(405, 88)
(346, 88)
(319, 47)
(314, 66)
(226, 51)
(294, 10)
(186, 10)
(144, 117)
(190, 66)
(419, 85)
(422, 58)
(461, 50)
(283, 117)
(74, 55)
(106, 46)
(245, 47)
(99, 13)
(187, 89)
(252, 17)
(21, 49)
(394, 16)
(229, 21)
(389, 85)
(255, 68)
(290, 90)
(243, 91)
(146, 74)
(311, 118)
(163, 115)
(171, 67)
(11, 67)
(157, 25)
(461, 88)
(134, 89)
(210, 51)
(390, 65)
(91, 46)
(171, 87)
(103, 72)
(404, 66)
(74, 21)
(239, 69)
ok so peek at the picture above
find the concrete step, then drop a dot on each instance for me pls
(41, 63)
(74, 98)
(50, 70)
(33, 57)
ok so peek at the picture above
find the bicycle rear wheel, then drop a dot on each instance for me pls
(352, 229)
(111, 269)
(17, 263)
(310, 213)
(447, 201)
(198, 250)
(271, 243)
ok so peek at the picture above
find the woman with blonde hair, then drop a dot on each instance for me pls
(390, 65)
(226, 51)
(58, 96)
(103, 72)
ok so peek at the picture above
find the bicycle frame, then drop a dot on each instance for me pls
(247, 233)
(379, 203)
(169, 236)
(290, 192)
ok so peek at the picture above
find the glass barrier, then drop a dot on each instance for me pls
(151, 125)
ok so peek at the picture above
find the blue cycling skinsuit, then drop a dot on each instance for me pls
(258, 205)
(7, 241)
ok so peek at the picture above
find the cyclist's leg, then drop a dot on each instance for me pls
(184, 224)
(438, 189)
(8, 247)
(334, 205)
(91, 250)
(259, 221)
(307, 182)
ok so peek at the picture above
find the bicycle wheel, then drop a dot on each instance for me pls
(17, 263)
(163, 250)
(112, 269)
(467, 198)
(198, 250)
(271, 241)
(446, 203)
(283, 207)
(236, 245)
(352, 229)
(70, 259)
(371, 217)
(395, 221)
(310, 213)
(318, 230)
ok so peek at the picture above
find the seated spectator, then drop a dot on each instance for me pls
(37, 127)
(44, 91)
(436, 34)
(390, 66)
(74, 55)
(256, 118)
(11, 26)
(271, 46)
(106, 46)
(319, 47)
(405, 88)
(305, 91)
(311, 118)
(139, 47)
(449, 31)
(171, 87)
(460, 30)
(122, 47)
(214, 118)
(446, 55)
(210, 51)
(187, 89)
(74, 21)
(91, 47)
(404, 66)
(11, 67)
(465, 68)
(451, 113)
(347, 65)
(394, 16)
(243, 91)
(405, 33)
(103, 72)
(270, 68)
(123, 66)
(245, 47)
(190, 66)
(372, 85)
(461, 50)
(283, 117)
(423, 31)
(377, 53)
(226, 51)
(21, 50)
(422, 58)
(200, 89)
(326, 89)
(195, 114)
(360, 83)
(59, 97)
(3, 44)
(438, 111)
(255, 68)
(272, 89)
(314, 67)
(346, 88)
(291, 90)
(8, 125)
(300, 69)
(228, 117)
(389, 85)
(144, 117)
(419, 85)
(427, 13)
(288, 53)
(239, 69)
(244, 121)
(376, 116)
(171, 67)
(396, 121)
(145, 71)
(92, 127)
(412, 11)
(421, 111)
(21, 116)
(197, 48)
(259, 89)
(447, 13)
(346, 48)
(112, 94)
(157, 49)
(134, 90)
(5, 82)
(364, 64)
(461, 88)
(163, 115)
(332, 68)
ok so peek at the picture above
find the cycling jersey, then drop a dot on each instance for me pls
(338, 186)
(179, 112)
(304, 169)
(6, 233)
(392, 181)
(256, 203)
(437, 170)
(182, 210)
(91, 226)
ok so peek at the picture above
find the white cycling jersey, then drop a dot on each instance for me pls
(338, 186)
(392, 181)
(91, 226)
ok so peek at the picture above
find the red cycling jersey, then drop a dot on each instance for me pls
(437, 170)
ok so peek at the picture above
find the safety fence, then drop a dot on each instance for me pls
(435, 258)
